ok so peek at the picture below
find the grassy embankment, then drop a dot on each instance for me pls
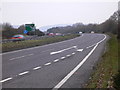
(32, 43)
(107, 68)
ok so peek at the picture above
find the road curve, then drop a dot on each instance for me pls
(66, 64)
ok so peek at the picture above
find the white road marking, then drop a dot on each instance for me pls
(79, 50)
(56, 52)
(73, 53)
(38, 46)
(37, 68)
(102, 39)
(68, 55)
(77, 67)
(74, 70)
(21, 57)
(23, 73)
(56, 60)
(97, 42)
(62, 58)
(5, 80)
(91, 46)
(47, 64)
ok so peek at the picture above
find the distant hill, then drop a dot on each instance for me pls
(110, 25)
(16, 26)
(45, 28)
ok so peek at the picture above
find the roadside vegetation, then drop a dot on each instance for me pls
(32, 43)
(106, 73)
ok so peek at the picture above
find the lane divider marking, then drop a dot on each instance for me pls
(21, 57)
(47, 64)
(73, 71)
(68, 55)
(5, 80)
(23, 73)
(73, 53)
(56, 60)
(62, 58)
(77, 67)
(90, 46)
(37, 68)
(97, 42)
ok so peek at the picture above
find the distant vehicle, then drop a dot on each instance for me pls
(18, 38)
(80, 33)
(58, 34)
(92, 32)
(51, 34)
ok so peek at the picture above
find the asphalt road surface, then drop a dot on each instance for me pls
(66, 64)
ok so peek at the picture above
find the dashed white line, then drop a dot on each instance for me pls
(17, 57)
(62, 58)
(5, 80)
(97, 42)
(47, 64)
(79, 50)
(56, 60)
(73, 53)
(91, 46)
(74, 70)
(23, 73)
(68, 55)
(21, 57)
(37, 68)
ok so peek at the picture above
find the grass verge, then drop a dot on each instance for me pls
(11, 46)
(107, 68)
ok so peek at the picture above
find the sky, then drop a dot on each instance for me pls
(51, 12)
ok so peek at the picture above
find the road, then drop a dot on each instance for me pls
(66, 64)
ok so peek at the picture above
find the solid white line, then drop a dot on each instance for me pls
(56, 60)
(21, 57)
(5, 80)
(97, 42)
(102, 39)
(47, 64)
(62, 58)
(77, 67)
(74, 70)
(56, 52)
(37, 68)
(23, 73)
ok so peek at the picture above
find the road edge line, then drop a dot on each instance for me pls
(77, 67)
(74, 70)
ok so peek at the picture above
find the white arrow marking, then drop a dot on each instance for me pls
(62, 50)
(79, 50)
(74, 70)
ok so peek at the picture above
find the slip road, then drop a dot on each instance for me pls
(66, 64)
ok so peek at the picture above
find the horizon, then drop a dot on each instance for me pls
(53, 13)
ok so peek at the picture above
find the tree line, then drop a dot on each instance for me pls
(8, 31)
(109, 26)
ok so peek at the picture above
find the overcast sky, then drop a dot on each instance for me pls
(63, 12)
